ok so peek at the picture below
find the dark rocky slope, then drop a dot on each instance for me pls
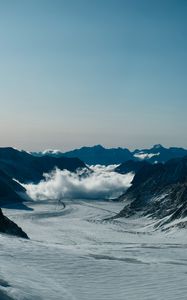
(9, 227)
(159, 191)
(9, 193)
(10, 190)
(4, 296)
(27, 168)
(130, 166)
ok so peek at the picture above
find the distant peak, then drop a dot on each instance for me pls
(99, 147)
(157, 146)
(51, 151)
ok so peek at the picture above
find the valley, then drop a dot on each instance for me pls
(74, 254)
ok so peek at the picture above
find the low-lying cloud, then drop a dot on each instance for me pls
(102, 183)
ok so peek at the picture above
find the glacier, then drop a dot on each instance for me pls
(73, 254)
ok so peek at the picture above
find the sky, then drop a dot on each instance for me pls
(85, 72)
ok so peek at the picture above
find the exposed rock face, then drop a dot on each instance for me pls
(9, 189)
(4, 296)
(28, 168)
(9, 227)
(158, 190)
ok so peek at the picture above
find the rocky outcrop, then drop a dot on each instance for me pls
(159, 191)
(101, 155)
(10, 190)
(9, 227)
(4, 296)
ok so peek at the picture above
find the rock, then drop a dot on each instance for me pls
(10, 190)
(9, 227)
(159, 191)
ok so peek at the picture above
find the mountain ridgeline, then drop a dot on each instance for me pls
(100, 155)
(26, 168)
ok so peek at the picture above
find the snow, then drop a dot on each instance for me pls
(74, 255)
(144, 155)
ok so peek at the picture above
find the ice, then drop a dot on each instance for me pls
(73, 254)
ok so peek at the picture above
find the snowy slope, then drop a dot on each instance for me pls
(73, 254)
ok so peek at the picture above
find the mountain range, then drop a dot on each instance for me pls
(26, 168)
(158, 191)
(101, 155)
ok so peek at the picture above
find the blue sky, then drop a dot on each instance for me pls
(84, 72)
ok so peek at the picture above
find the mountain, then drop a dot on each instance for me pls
(158, 153)
(10, 190)
(25, 167)
(100, 155)
(93, 155)
(49, 152)
(11, 228)
(158, 190)
(130, 166)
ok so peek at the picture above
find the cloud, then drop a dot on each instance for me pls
(102, 183)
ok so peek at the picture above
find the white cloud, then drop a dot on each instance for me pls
(102, 183)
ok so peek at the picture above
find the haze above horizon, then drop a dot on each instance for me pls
(80, 72)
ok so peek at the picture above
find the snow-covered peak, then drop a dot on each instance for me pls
(51, 151)
(157, 146)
